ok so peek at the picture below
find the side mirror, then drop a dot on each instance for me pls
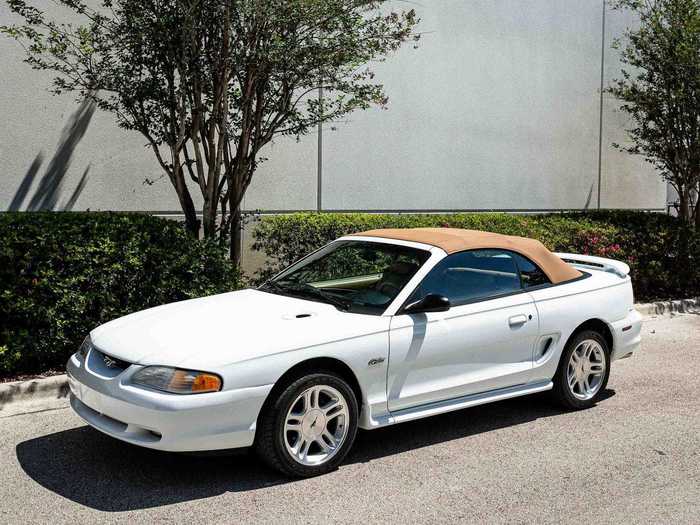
(430, 303)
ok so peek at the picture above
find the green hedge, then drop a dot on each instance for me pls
(62, 274)
(664, 255)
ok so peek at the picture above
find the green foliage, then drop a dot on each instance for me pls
(62, 274)
(659, 89)
(663, 253)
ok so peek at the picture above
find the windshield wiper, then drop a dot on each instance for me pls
(272, 285)
(308, 291)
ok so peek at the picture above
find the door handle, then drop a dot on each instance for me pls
(517, 320)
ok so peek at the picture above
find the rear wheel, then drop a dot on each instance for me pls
(309, 428)
(583, 370)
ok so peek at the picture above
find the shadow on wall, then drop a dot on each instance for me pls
(588, 199)
(49, 187)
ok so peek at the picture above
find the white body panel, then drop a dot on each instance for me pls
(406, 366)
(469, 349)
(564, 308)
(220, 330)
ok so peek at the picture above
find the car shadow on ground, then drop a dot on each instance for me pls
(105, 474)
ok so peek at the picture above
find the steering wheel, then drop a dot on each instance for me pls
(388, 289)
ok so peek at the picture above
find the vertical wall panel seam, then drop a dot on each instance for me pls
(319, 159)
(602, 86)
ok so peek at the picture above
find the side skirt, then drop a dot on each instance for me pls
(450, 405)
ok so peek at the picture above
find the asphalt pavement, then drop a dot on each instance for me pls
(633, 458)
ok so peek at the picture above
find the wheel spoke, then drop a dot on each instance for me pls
(324, 446)
(327, 438)
(302, 410)
(582, 386)
(303, 449)
(333, 407)
(308, 400)
(597, 369)
(586, 386)
(296, 449)
(292, 427)
(337, 413)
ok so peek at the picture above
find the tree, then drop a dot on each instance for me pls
(209, 83)
(660, 90)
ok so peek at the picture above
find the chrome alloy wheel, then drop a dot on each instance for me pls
(586, 369)
(316, 425)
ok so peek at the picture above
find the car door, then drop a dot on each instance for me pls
(483, 342)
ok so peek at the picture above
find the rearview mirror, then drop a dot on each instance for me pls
(430, 303)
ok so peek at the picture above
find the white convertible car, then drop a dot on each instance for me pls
(373, 329)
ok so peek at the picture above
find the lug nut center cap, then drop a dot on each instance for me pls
(313, 424)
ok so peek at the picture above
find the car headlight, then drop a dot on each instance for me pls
(85, 347)
(177, 381)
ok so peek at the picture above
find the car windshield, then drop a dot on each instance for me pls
(353, 276)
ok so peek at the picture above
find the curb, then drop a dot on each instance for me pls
(37, 395)
(680, 306)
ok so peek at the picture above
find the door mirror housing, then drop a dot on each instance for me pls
(430, 303)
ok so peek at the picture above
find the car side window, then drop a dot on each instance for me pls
(472, 275)
(530, 274)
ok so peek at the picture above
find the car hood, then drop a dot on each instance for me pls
(222, 329)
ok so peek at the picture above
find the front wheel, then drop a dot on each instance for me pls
(583, 371)
(309, 428)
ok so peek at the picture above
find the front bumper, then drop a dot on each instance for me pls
(627, 335)
(178, 423)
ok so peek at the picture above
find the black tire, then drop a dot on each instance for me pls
(270, 435)
(562, 391)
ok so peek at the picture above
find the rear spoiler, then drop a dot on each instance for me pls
(595, 263)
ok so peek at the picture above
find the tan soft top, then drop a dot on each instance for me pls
(456, 240)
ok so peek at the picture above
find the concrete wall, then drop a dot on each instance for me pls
(498, 108)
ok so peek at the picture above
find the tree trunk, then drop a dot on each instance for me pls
(191, 221)
(209, 219)
(237, 188)
(236, 236)
(683, 206)
(183, 194)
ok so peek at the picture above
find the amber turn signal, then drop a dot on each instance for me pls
(206, 383)
(177, 381)
(194, 382)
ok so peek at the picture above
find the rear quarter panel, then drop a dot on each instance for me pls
(563, 308)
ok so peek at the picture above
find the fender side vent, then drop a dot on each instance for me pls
(546, 346)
